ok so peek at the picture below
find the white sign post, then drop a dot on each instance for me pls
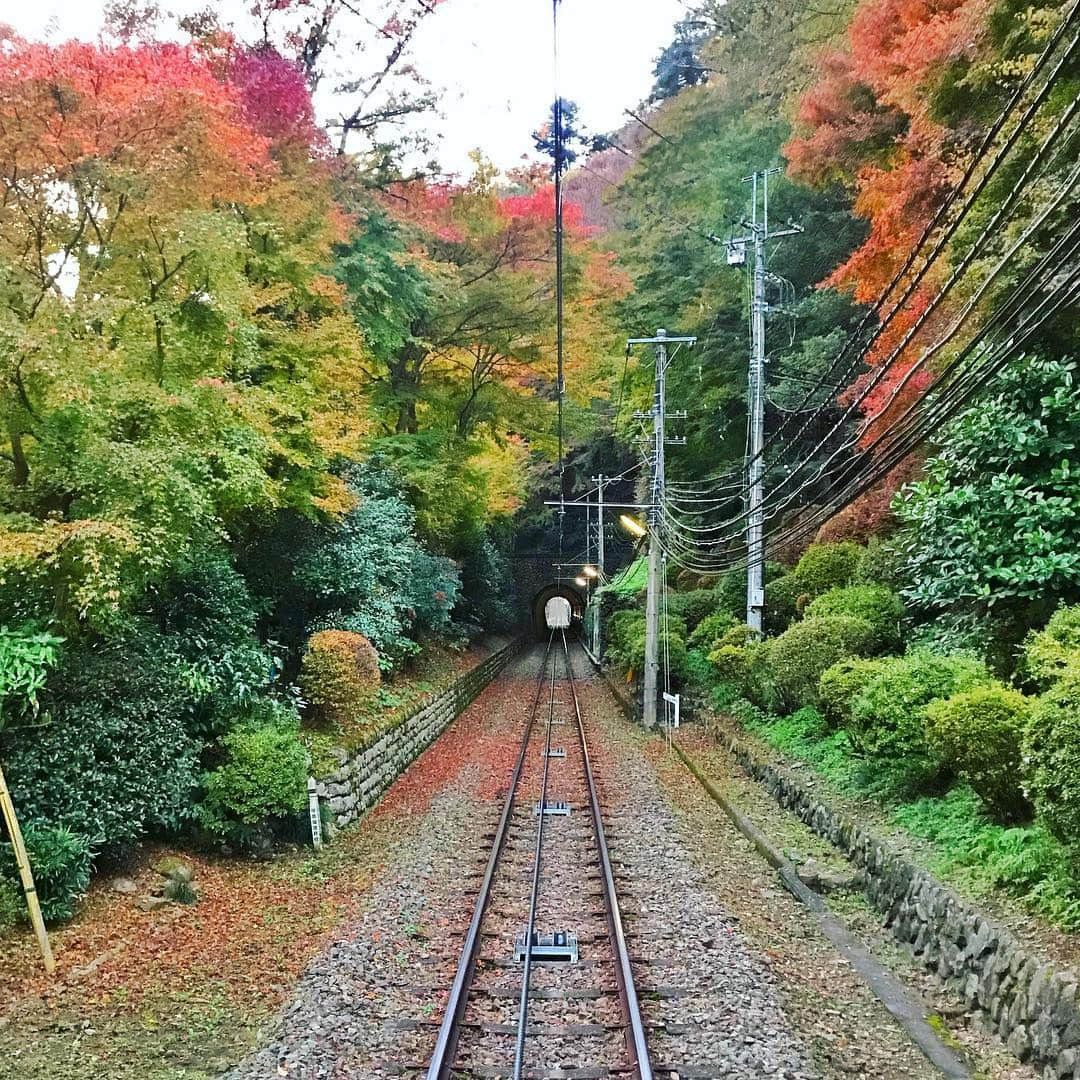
(672, 717)
(313, 813)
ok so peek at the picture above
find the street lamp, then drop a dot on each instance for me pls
(632, 525)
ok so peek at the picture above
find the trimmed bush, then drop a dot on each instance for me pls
(827, 566)
(60, 861)
(263, 777)
(792, 664)
(1052, 752)
(339, 674)
(878, 564)
(978, 733)
(731, 665)
(784, 600)
(887, 716)
(709, 630)
(1049, 652)
(841, 682)
(879, 606)
(730, 593)
(626, 645)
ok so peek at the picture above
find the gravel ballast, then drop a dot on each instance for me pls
(733, 981)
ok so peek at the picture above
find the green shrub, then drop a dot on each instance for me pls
(692, 607)
(1047, 653)
(784, 600)
(12, 903)
(1052, 753)
(792, 664)
(730, 593)
(887, 716)
(60, 861)
(827, 566)
(111, 756)
(751, 716)
(712, 627)
(626, 645)
(263, 777)
(978, 733)
(339, 675)
(731, 666)
(210, 618)
(879, 564)
(840, 683)
(26, 655)
(878, 605)
(1024, 861)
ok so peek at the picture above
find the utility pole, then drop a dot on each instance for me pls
(599, 481)
(755, 463)
(658, 413)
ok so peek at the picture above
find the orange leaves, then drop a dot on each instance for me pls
(157, 108)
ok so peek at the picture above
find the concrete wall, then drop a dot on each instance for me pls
(365, 773)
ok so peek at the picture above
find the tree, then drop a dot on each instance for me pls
(176, 359)
(992, 527)
(679, 66)
(362, 48)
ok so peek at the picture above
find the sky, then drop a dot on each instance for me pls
(491, 60)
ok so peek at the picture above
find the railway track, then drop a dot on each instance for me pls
(544, 985)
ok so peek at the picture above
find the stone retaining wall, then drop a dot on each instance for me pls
(1032, 1006)
(364, 774)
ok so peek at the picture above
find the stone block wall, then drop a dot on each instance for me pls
(363, 774)
(1032, 1006)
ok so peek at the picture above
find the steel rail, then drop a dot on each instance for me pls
(534, 893)
(636, 1043)
(442, 1057)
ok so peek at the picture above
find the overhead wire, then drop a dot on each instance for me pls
(929, 260)
(976, 249)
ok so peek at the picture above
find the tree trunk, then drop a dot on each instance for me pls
(21, 473)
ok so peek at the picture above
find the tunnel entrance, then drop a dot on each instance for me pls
(556, 588)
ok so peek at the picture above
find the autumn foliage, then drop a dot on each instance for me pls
(338, 675)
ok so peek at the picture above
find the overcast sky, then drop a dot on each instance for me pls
(491, 58)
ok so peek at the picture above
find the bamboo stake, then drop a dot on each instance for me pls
(25, 874)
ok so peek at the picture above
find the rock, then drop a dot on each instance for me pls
(174, 868)
(150, 903)
(124, 886)
(1019, 1043)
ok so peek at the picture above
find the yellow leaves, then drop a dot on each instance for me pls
(337, 499)
(85, 562)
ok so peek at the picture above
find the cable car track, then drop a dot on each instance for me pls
(577, 1018)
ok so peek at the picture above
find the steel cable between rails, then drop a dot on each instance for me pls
(813, 415)
(976, 249)
(903, 442)
(939, 215)
(442, 1056)
(534, 893)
